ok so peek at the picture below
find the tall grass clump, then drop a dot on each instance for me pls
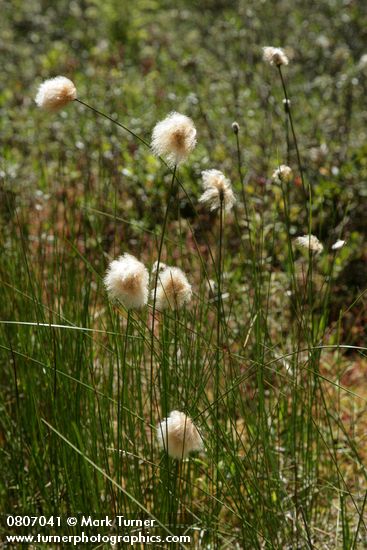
(191, 372)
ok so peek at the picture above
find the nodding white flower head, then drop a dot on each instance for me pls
(275, 56)
(174, 138)
(338, 245)
(55, 93)
(282, 174)
(178, 435)
(127, 280)
(173, 289)
(310, 242)
(235, 127)
(217, 190)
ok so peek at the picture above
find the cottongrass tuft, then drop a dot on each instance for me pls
(338, 244)
(55, 93)
(127, 281)
(174, 138)
(217, 190)
(275, 56)
(283, 174)
(178, 435)
(173, 289)
(309, 242)
(235, 127)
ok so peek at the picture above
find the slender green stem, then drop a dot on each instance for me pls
(289, 113)
(97, 112)
(219, 305)
(242, 181)
(121, 384)
(160, 248)
(218, 360)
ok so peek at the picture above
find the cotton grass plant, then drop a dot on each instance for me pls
(173, 139)
(185, 394)
(56, 93)
(178, 436)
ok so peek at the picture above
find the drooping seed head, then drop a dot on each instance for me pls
(55, 93)
(282, 174)
(173, 289)
(178, 435)
(127, 281)
(174, 138)
(217, 190)
(235, 127)
(309, 242)
(275, 56)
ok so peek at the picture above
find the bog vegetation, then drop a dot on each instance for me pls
(183, 267)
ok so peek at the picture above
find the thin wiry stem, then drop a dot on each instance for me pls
(136, 136)
(121, 393)
(242, 181)
(160, 248)
(290, 117)
(287, 137)
(218, 351)
(219, 296)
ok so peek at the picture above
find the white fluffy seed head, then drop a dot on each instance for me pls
(178, 435)
(309, 242)
(275, 56)
(55, 93)
(235, 127)
(282, 174)
(173, 289)
(127, 281)
(174, 138)
(338, 245)
(217, 190)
